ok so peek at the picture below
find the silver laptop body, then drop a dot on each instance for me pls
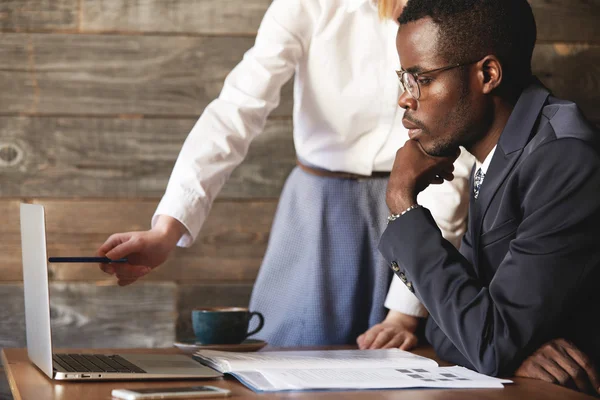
(140, 366)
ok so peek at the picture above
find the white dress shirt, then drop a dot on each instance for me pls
(346, 116)
(486, 163)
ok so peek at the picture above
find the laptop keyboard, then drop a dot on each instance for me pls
(95, 363)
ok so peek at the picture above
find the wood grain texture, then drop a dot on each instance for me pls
(567, 20)
(179, 16)
(177, 76)
(202, 295)
(71, 74)
(230, 246)
(103, 157)
(571, 71)
(35, 15)
(12, 315)
(110, 316)
(141, 315)
(557, 20)
(10, 245)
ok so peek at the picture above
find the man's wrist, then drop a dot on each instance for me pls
(401, 203)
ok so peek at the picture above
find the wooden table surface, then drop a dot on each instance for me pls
(28, 383)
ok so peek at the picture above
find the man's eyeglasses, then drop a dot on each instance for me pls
(409, 81)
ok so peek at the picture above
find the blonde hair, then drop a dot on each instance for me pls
(386, 8)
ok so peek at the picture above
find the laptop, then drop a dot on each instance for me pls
(63, 366)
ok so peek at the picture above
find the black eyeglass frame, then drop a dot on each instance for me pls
(416, 75)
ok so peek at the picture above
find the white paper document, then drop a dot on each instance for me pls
(271, 380)
(225, 361)
(341, 370)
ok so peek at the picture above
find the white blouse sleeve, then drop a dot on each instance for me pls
(220, 138)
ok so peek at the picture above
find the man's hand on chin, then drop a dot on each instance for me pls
(560, 362)
(412, 172)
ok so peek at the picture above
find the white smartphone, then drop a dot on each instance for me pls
(189, 392)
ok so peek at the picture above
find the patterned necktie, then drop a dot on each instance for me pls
(479, 175)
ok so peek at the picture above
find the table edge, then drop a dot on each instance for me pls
(10, 378)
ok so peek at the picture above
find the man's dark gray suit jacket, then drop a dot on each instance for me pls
(528, 268)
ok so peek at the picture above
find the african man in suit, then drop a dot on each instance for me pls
(528, 266)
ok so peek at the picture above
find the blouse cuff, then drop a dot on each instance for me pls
(185, 208)
(400, 299)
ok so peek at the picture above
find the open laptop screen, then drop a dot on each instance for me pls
(35, 282)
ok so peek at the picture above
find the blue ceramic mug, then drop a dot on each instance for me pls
(223, 325)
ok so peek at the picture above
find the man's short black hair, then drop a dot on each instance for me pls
(471, 29)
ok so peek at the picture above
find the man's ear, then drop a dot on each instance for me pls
(490, 73)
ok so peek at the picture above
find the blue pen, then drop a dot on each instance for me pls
(102, 260)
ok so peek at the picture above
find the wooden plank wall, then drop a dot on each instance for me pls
(97, 98)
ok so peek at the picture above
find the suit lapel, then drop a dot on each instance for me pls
(514, 138)
(497, 172)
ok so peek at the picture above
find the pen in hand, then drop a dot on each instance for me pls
(101, 260)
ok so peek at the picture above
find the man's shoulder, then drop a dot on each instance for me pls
(564, 142)
(562, 132)
(568, 122)
(561, 159)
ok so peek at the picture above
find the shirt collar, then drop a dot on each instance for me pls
(486, 163)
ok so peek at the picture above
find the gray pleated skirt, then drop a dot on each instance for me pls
(323, 280)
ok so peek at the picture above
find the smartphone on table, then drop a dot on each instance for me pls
(185, 392)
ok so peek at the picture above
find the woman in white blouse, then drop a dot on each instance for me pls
(322, 280)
